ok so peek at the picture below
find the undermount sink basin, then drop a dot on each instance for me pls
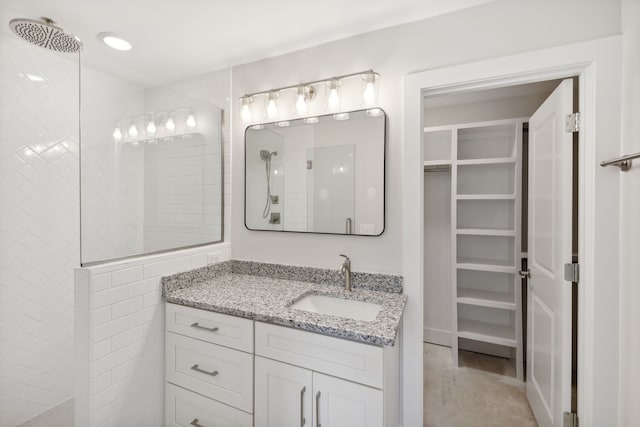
(341, 307)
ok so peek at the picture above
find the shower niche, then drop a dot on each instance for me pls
(317, 175)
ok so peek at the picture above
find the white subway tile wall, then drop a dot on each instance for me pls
(39, 228)
(120, 371)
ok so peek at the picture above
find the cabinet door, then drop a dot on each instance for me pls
(340, 403)
(282, 395)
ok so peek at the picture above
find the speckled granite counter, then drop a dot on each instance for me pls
(264, 292)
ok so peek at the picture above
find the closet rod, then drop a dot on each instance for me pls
(443, 168)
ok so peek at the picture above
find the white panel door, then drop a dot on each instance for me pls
(550, 233)
(340, 403)
(283, 395)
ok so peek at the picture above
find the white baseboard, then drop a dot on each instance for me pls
(437, 336)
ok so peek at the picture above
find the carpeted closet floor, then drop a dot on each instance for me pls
(482, 392)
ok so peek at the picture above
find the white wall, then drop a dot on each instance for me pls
(496, 29)
(39, 227)
(629, 225)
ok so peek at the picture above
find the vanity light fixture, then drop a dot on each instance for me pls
(114, 41)
(369, 92)
(133, 131)
(374, 112)
(272, 108)
(245, 113)
(170, 125)
(305, 94)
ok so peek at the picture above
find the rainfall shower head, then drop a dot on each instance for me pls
(44, 33)
(266, 155)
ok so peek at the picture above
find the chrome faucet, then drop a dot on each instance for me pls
(345, 269)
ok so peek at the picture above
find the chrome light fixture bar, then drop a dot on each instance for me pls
(306, 92)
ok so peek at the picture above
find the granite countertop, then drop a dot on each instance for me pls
(264, 292)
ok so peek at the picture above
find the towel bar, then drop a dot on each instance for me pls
(624, 162)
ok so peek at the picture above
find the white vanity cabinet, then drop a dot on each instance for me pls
(209, 369)
(227, 371)
(306, 379)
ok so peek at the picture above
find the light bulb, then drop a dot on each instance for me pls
(170, 125)
(246, 111)
(341, 116)
(117, 135)
(301, 103)
(272, 109)
(333, 100)
(283, 124)
(374, 112)
(151, 128)
(133, 131)
(369, 93)
(191, 121)
(311, 120)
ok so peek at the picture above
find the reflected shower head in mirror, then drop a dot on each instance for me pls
(265, 155)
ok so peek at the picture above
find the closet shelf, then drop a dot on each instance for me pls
(485, 196)
(485, 232)
(487, 332)
(482, 298)
(444, 162)
(484, 265)
(492, 161)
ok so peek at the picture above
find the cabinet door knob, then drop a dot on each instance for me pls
(302, 420)
(195, 423)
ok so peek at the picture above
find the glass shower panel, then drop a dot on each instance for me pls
(151, 169)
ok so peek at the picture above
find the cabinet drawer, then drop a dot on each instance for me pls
(362, 363)
(217, 372)
(216, 328)
(186, 409)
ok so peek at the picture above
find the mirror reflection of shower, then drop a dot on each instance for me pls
(265, 156)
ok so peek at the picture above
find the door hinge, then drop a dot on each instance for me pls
(572, 122)
(572, 272)
(569, 419)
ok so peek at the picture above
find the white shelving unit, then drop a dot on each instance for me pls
(484, 159)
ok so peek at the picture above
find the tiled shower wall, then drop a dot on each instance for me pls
(120, 337)
(39, 227)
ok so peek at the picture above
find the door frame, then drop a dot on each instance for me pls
(597, 64)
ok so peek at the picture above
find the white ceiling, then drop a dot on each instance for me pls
(174, 39)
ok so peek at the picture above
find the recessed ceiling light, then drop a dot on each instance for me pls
(114, 41)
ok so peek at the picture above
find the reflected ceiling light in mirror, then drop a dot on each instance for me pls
(191, 121)
(374, 112)
(341, 116)
(245, 113)
(311, 120)
(115, 41)
(257, 127)
(272, 108)
(132, 133)
(170, 125)
(283, 124)
(117, 134)
(151, 127)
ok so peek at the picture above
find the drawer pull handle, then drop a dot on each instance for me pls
(197, 325)
(318, 410)
(302, 420)
(198, 369)
(195, 423)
